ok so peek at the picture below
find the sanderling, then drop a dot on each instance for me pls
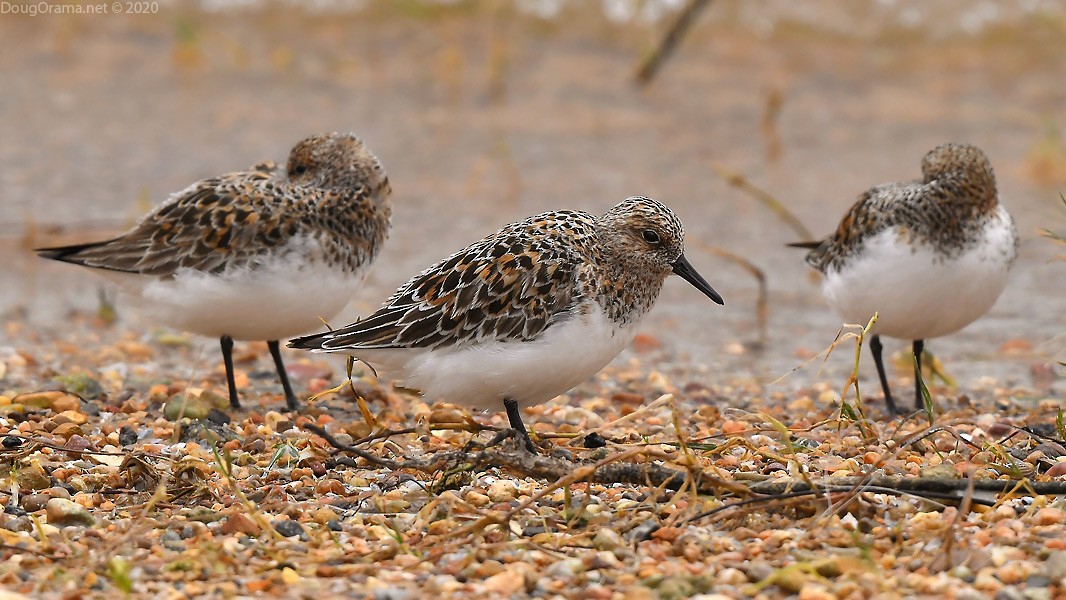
(526, 313)
(262, 254)
(928, 256)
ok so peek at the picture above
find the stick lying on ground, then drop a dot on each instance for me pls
(607, 471)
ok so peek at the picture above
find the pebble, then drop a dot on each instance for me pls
(56, 401)
(731, 576)
(1036, 593)
(61, 512)
(172, 541)
(501, 490)
(290, 528)
(77, 443)
(1009, 593)
(565, 569)
(602, 560)
(205, 431)
(391, 593)
(33, 477)
(814, 591)
(240, 523)
(35, 502)
(607, 539)
(67, 430)
(968, 593)
(506, 582)
(477, 499)
(675, 588)
(81, 385)
(192, 530)
(21, 524)
(324, 515)
(642, 532)
(186, 405)
(1055, 565)
(1050, 515)
(127, 436)
(329, 486)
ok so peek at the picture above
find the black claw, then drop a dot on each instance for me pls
(505, 434)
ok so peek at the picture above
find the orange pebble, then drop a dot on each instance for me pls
(329, 486)
(1050, 516)
(733, 426)
(667, 534)
(258, 585)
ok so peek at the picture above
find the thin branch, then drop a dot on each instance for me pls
(654, 61)
(739, 181)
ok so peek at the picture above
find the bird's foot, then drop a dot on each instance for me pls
(521, 438)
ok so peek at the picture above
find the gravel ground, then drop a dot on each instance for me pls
(122, 473)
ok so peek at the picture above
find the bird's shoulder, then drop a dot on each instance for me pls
(875, 210)
(509, 286)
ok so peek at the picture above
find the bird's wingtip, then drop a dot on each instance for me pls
(804, 245)
(307, 342)
(63, 253)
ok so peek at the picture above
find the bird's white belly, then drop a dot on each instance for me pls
(272, 302)
(483, 375)
(917, 293)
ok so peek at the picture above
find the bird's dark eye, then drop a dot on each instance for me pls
(299, 169)
(650, 236)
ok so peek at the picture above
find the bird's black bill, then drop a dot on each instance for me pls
(689, 274)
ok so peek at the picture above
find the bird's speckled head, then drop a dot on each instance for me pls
(645, 230)
(335, 160)
(963, 162)
(964, 172)
(645, 243)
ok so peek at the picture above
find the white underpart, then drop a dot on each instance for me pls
(481, 376)
(273, 299)
(917, 293)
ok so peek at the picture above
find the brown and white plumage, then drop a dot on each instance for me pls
(261, 254)
(526, 313)
(929, 256)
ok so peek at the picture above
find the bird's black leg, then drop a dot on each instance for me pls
(919, 400)
(227, 358)
(275, 351)
(514, 417)
(875, 348)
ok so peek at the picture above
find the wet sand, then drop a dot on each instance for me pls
(484, 117)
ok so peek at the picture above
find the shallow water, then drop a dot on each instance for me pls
(487, 115)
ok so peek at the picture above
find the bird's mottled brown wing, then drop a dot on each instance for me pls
(511, 285)
(876, 209)
(210, 225)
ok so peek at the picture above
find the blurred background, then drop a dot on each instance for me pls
(485, 112)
